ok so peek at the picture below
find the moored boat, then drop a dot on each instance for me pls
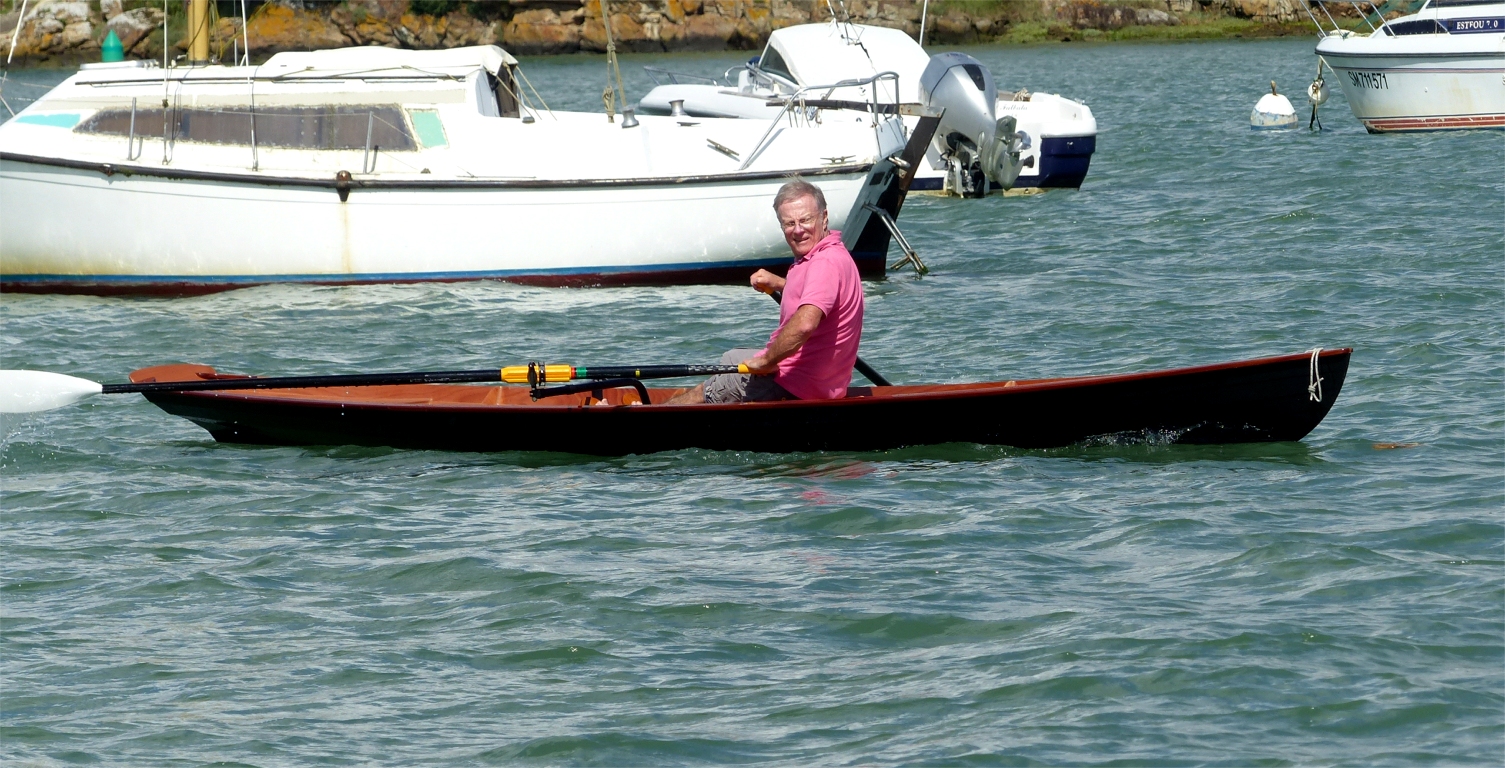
(368, 165)
(1440, 68)
(1051, 137)
(1261, 400)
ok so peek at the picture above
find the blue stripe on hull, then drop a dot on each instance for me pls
(870, 264)
(379, 277)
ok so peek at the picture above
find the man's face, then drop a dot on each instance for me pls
(803, 222)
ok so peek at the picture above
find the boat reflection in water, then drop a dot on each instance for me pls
(366, 165)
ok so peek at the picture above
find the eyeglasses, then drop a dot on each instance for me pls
(808, 222)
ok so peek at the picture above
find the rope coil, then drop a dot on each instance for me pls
(1314, 382)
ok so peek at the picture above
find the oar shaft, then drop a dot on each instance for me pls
(292, 382)
(654, 371)
(512, 375)
(554, 374)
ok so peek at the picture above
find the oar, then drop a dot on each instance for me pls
(30, 391)
(862, 366)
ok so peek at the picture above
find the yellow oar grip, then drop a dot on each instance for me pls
(518, 374)
(742, 368)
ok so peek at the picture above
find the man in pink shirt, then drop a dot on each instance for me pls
(811, 354)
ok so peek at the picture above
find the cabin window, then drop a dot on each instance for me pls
(429, 127)
(54, 120)
(323, 127)
(773, 64)
(496, 95)
(504, 85)
(1416, 27)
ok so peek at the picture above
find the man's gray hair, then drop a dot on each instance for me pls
(797, 188)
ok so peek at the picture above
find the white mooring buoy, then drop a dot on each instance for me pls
(1273, 112)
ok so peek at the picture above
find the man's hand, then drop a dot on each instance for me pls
(766, 282)
(761, 365)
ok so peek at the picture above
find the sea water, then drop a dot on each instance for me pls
(166, 600)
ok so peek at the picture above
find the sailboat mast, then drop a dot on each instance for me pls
(198, 31)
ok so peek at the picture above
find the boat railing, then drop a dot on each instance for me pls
(132, 150)
(729, 79)
(676, 78)
(734, 74)
(1374, 17)
(795, 104)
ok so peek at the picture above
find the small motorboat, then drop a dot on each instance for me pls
(1440, 68)
(1264, 400)
(1048, 139)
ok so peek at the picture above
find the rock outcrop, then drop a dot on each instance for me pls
(71, 30)
(1265, 11)
(134, 26)
(57, 27)
(1089, 14)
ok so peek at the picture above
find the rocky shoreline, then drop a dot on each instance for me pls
(63, 32)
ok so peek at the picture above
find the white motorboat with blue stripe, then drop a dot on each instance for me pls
(1053, 136)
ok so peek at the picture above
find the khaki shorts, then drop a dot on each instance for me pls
(742, 387)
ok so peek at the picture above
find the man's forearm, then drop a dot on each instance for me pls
(787, 343)
(794, 334)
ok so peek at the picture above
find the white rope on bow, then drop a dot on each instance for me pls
(1314, 382)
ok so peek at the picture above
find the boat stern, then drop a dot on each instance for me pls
(1062, 137)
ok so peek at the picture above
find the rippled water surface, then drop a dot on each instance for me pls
(170, 601)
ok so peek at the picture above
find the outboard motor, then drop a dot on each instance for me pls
(976, 146)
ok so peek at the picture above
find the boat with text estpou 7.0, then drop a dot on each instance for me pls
(1440, 68)
(365, 165)
(1055, 139)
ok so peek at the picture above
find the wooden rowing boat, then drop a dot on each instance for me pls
(1264, 400)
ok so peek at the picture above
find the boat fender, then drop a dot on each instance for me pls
(1317, 94)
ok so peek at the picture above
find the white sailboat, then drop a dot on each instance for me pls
(366, 165)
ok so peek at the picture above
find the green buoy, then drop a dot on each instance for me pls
(110, 49)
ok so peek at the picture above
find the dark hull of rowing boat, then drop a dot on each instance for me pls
(1265, 400)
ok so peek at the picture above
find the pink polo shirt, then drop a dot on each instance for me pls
(827, 279)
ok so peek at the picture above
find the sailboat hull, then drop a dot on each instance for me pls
(185, 234)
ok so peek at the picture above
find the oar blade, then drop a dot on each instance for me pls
(31, 391)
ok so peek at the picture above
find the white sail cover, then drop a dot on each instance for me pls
(376, 61)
